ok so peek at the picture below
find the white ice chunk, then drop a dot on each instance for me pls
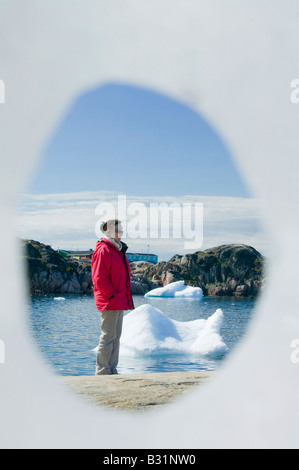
(147, 331)
(176, 289)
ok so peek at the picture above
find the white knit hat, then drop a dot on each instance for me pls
(110, 227)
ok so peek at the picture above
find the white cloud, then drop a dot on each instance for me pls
(69, 220)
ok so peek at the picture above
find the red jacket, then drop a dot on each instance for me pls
(111, 277)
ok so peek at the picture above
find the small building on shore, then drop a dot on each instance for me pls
(145, 257)
(76, 255)
(87, 256)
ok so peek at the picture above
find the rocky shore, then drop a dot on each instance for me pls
(48, 272)
(226, 270)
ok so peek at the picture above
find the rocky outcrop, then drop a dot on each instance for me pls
(48, 272)
(225, 270)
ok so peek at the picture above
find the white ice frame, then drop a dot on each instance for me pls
(233, 62)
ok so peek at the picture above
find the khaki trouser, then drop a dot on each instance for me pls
(108, 350)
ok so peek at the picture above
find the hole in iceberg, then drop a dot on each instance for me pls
(191, 305)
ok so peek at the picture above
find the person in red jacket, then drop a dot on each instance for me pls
(111, 277)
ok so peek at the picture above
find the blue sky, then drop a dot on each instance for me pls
(123, 140)
(134, 141)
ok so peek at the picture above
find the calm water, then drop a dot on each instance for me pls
(66, 330)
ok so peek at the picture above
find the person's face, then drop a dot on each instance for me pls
(118, 234)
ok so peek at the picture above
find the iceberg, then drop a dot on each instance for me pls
(148, 331)
(176, 289)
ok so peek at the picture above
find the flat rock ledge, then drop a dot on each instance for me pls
(136, 392)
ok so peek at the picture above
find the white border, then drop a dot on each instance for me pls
(233, 61)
